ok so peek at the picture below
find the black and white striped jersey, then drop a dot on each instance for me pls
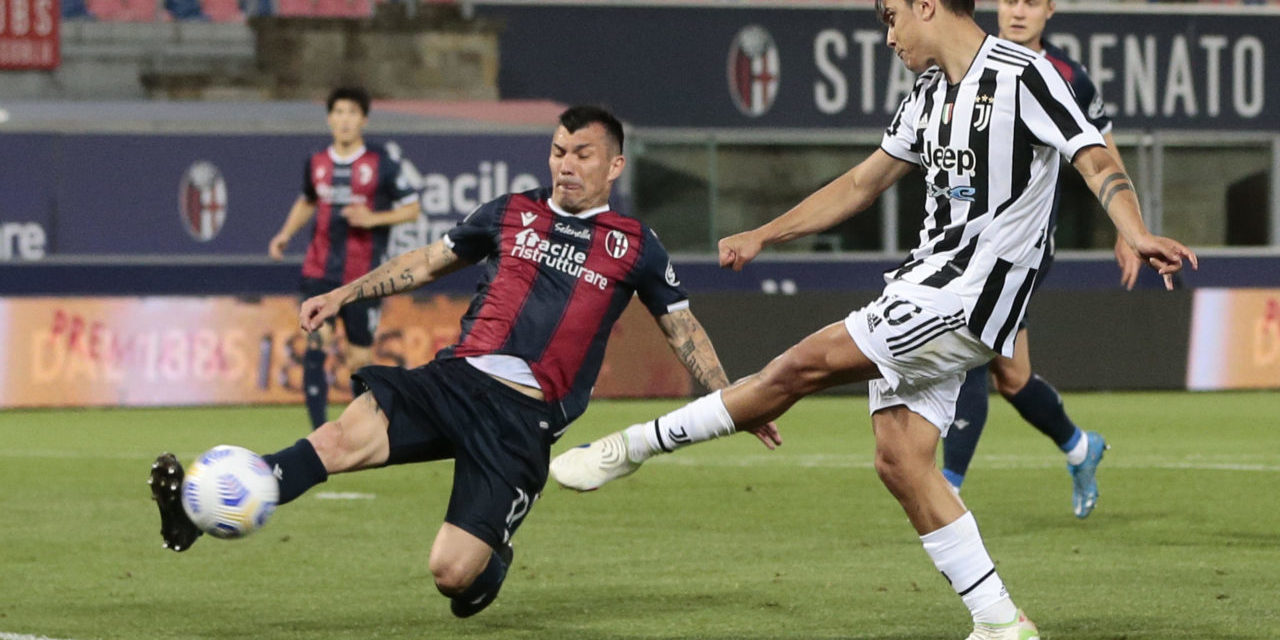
(988, 146)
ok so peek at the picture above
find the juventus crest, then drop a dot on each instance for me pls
(982, 112)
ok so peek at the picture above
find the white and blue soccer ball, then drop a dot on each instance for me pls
(229, 492)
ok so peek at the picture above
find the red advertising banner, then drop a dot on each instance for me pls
(1235, 340)
(70, 352)
(29, 34)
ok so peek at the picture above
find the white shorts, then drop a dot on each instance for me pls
(923, 351)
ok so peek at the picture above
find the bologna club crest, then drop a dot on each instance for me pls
(616, 244)
(754, 70)
(202, 201)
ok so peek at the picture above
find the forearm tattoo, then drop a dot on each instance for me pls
(1112, 185)
(380, 285)
(694, 349)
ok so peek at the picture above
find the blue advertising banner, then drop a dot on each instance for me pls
(813, 67)
(205, 195)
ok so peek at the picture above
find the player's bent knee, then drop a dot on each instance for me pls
(356, 440)
(1008, 384)
(451, 578)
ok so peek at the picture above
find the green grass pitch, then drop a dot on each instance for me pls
(721, 541)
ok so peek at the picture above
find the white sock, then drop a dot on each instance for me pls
(957, 551)
(703, 419)
(1077, 453)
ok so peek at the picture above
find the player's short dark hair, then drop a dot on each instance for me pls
(958, 7)
(579, 116)
(355, 94)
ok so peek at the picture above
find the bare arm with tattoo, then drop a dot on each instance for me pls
(404, 272)
(690, 343)
(693, 347)
(1107, 179)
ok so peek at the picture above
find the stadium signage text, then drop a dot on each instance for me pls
(21, 241)
(830, 68)
(29, 34)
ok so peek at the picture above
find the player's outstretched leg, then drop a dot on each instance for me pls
(590, 466)
(1084, 479)
(176, 528)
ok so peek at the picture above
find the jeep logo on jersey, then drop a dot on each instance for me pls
(754, 70)
(958, 161)
(202, 201)
(616, 244)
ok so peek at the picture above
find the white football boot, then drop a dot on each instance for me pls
(588, 467)
(1020, 629)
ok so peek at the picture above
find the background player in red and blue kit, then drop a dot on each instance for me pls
(560, 267)
(1023, 22)
(355, 193)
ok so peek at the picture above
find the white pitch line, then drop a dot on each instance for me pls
(22, 636)
(340, 495)
(837, 461)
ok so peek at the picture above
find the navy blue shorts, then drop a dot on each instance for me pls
(359, 319)
(500, 439)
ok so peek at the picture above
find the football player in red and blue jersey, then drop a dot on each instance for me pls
(355, 193)
(560, 266)
(1023, 22)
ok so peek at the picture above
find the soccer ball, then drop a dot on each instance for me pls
(229, 492)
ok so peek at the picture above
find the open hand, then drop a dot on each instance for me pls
(1165, 255)
(768, 435)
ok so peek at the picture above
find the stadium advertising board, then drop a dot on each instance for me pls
(93, 194)
(63, 352)
(29, 34)
(1235, 340)
(820, 67)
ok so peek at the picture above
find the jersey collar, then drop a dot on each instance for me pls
(337, 159)
(589, 213)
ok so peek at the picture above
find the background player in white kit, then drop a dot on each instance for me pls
(986, 120)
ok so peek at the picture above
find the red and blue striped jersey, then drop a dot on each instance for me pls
(553, 286)
(338, 252)
(1087, 95)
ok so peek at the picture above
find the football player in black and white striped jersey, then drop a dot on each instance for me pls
(986, 121)
(1023, 22)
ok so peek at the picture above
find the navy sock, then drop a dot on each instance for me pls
(971, 416)
(1040, 404)
(488, 580)
(483, 591)
(315, 387)
(297, 468)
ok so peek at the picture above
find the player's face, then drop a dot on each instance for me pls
(904, 36)
(584, 165)
(1023, 21)
(346, 121)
